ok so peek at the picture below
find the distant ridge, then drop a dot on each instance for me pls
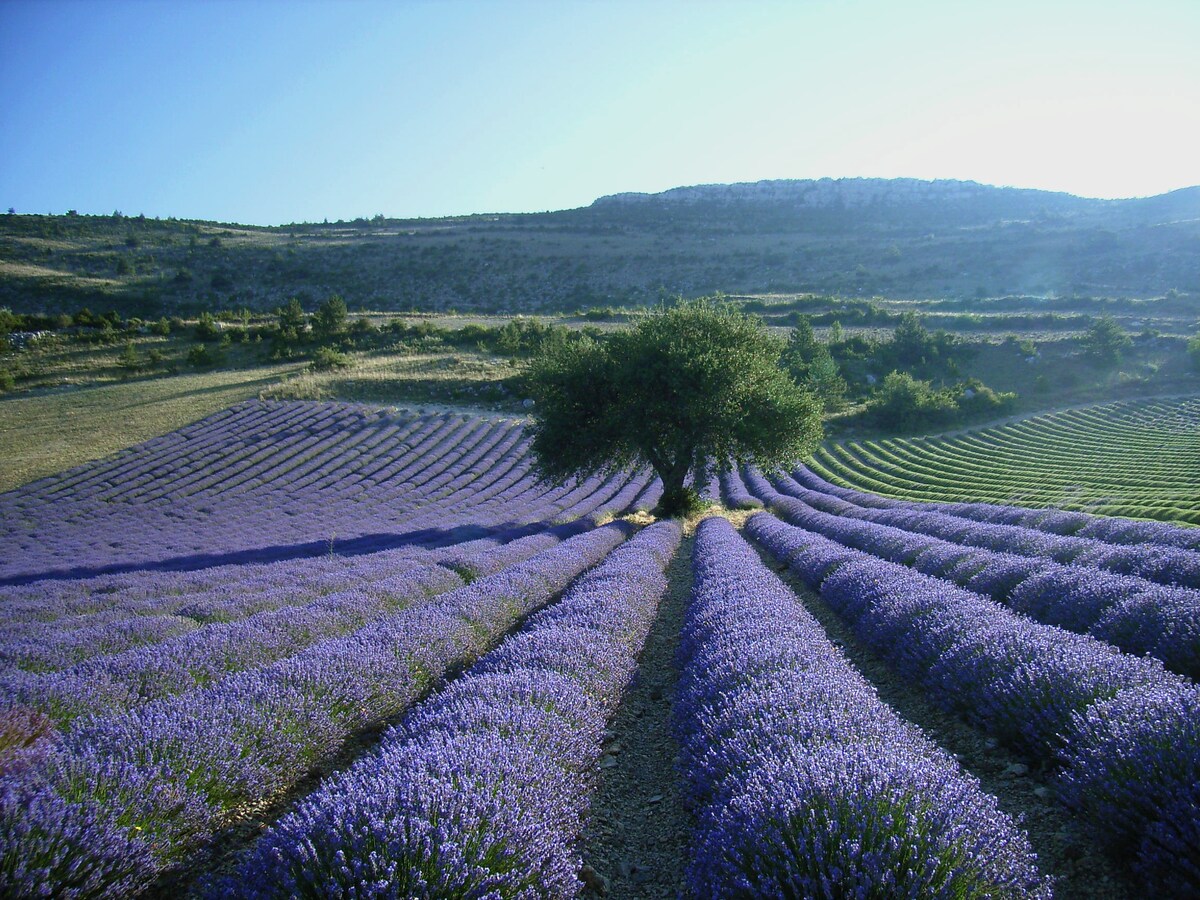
(825, 192)
(863, 192)
(901, 237)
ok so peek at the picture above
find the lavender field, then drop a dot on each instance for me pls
(329, 650)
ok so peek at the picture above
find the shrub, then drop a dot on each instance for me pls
(327, 359)
(207, 328)
(329, 321)
(1104, 342)
(904, 403)
(202, 356)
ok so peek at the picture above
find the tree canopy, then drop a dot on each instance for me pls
(687, 388)
(1105, 341)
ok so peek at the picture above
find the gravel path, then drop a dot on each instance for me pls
(636, 841)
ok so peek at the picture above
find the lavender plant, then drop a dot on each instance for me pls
(805, 784)
(480, 791)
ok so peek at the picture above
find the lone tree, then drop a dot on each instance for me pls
(688, 387)
(1105, 341)
(329, 321)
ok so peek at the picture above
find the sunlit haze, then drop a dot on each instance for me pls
(272, 112)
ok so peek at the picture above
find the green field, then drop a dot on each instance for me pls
(1137, 458)
(50, 430)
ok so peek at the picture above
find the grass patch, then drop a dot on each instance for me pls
(466, 378)
(49, 431)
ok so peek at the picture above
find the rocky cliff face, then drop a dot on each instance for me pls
(847, 193)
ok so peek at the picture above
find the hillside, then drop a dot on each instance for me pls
(899, 238)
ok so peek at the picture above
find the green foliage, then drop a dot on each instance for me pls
(329, 321)
(129, 359)
(326, 359)
(904, 403)
(975, 400)
(529, 337)
(204, 356)
(363, 327)
(7, 381)
(688, 387)
(812, 366)
(1105, 341)
(9, 321)
(207, 328)
(292, 320)
(914, 349)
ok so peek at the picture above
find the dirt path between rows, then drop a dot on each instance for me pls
(636, 840)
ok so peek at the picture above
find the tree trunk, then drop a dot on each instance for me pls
(676, 499)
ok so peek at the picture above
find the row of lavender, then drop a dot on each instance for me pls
(108, 805)
(804, 783)
(487, 489)
(1131, 612)
(482, 790)
(81, 528)
(1109, 529)
(346, 487)
(1121, 733)
(1162, 564)
(496, 510)
(142, 617)
(176, 664)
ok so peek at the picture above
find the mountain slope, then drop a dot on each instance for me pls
(891, 237)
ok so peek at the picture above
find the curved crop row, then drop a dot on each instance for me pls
(489, 487)
(806, 784)
(118, 799)
(1122, 729)
(1134, 614)
(1131, 458)
(481, 790)
(1110, 529)
(109, 684)
(1165, 565)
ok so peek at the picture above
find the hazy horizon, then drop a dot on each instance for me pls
(267, 113)
(503, 212)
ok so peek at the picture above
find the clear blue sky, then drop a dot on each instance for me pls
(273, 112)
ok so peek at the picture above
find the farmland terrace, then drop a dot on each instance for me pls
(318, 649)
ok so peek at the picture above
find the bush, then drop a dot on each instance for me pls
(326, 359)
(903, 403)
(207, 328)
(128, 358)
(329, 321)
(292, 322)
(529, 337)
(202, 356)
(1105, 341)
